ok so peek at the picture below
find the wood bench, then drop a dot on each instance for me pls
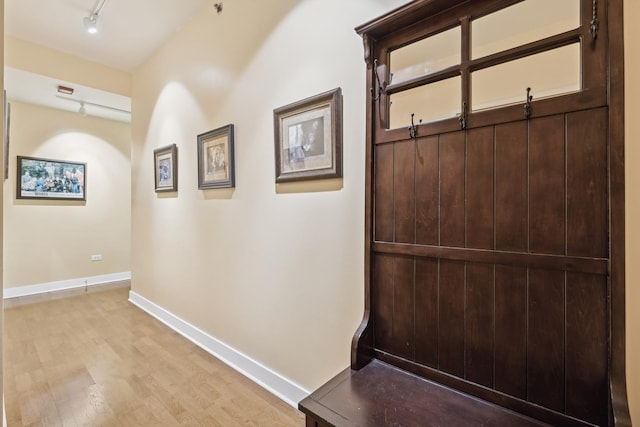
(382, 395)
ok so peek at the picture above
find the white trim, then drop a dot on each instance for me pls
(22, 291)
(260, 374)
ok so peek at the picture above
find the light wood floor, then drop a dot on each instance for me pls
(97, 360)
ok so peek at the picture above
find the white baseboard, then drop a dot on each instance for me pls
(21, 291)
(260, 374)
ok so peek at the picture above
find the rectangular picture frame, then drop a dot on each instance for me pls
(165, 168)
(39, 178)
(308, 138)
(216, 158)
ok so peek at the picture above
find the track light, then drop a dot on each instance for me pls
(91, 21)
(83, 109)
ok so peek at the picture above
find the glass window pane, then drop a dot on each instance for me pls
(549, 73)
(435, 101)
(522, 23)
(425, 56)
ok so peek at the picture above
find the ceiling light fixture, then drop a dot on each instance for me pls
(91, 21)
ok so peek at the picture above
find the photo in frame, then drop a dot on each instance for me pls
(50, 179)
(165, 168)
(308, 138)
(216, 162)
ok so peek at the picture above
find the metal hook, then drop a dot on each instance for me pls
(527, 105)
(462, 118)
(594, 26)
(375, 96)
(413, 129)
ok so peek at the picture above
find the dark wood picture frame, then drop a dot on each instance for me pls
(216, 158)
(38, 178)
(308, 138)
(165, 168)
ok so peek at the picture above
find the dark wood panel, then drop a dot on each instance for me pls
(479, 320)
(587, 347)
(404, 191)
(533, 194)
(587, 183)
(452, 189)
(451, 318)
(383, 201)
(546, 340)
(583, 265)
(427, 191)
(511, 186)
(403, 307)
(480, 197)
(382, 300)
(547, 185)
(427, 312)
(511, 331)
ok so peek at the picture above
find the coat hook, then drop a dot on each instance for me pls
(527, 105)
(462, 118)
(375, 96)
(594, 26)
(413, 129)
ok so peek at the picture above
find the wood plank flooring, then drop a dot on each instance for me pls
(97, 360)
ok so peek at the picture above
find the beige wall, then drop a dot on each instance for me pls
(276, 271)
(38, 59)
(49, 241)
(632, 181)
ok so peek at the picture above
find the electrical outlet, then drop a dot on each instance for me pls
(96, 257)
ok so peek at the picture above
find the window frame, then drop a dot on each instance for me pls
(594, 91)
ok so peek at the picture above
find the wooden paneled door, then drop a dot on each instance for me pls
(489, 251)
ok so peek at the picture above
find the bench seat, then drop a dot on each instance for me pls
(382, 395)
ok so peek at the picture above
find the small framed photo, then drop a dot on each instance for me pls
(50, 179)
(165, 167)
(308, 138)
(216, 164)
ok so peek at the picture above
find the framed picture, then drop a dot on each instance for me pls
(165, 168)
(216, 164)
(50, 179)
(308, 138)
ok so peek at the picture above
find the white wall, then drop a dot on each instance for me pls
(276, 272)
(50, 241)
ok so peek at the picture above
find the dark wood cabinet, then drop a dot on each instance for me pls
(494, 281)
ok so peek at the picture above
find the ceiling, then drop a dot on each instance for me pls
(129, 31)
